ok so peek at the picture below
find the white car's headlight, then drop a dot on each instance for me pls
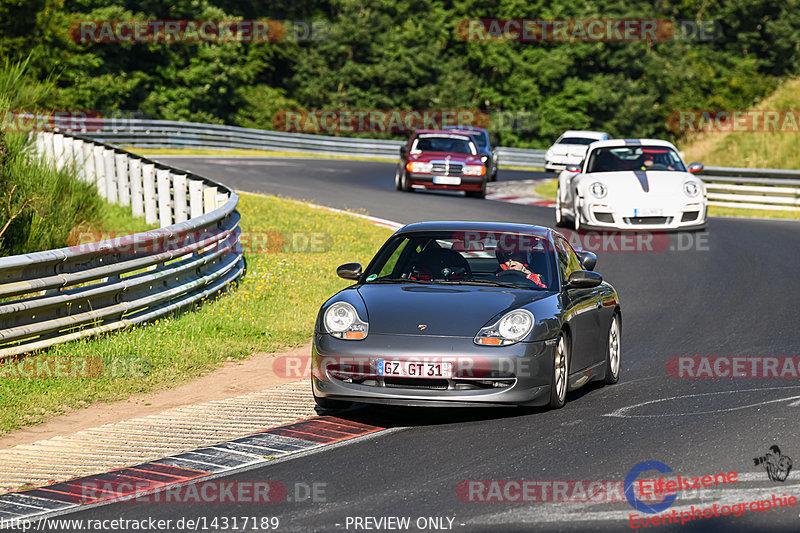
(341, 321)
(512, 328)
(474, 170)
(598, 190)
(691, 188)
(419, 167)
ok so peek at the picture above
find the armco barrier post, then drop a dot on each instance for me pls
(100, 170)
(195, 198)
(149, 189)
(164, 198)
(179, 198)
(123, 188)
(137, 192)
(110, 176)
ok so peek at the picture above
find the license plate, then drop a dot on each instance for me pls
(648, 212)
(414, 369)
(446, 180)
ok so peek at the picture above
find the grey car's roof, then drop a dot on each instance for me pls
(454, 225)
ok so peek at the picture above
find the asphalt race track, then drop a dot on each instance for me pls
(729, 291)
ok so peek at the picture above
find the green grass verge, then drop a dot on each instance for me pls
(548, 190)
(752, 149)
(274, 307)
(714, 210)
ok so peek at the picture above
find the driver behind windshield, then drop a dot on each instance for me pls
(648, 160)
(517, 261)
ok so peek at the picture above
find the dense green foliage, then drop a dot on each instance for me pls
(40, 205)
(406, 54)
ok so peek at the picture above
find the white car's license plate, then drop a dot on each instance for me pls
(446, 180)
(414, 369)
(648, 212)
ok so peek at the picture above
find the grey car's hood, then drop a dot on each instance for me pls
(449, 310)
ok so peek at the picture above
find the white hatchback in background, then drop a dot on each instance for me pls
(632, 184)
(570, 148)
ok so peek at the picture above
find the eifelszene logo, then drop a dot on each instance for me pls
(777, 465)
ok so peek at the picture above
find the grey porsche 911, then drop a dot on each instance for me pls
(467, 314)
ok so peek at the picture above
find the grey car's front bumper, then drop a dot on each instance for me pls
(519, 374)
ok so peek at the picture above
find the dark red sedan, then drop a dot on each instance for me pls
(444, 160)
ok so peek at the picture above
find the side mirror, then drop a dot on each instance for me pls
(351, 271)
(696, 167)
(403, 150)
(584, 279)
(572, 168)
(588, 259)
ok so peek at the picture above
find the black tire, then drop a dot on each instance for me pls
(404, 185)
(561, 220)
(576, 220)
(477, 194)
(397, 180)
(558, 395)
(612, 377)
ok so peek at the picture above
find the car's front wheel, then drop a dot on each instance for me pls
(613, 352)
(558, 388)
(577, 213)
(402, 181)
(560, 222)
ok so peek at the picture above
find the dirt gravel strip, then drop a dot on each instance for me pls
(154, 478)
(152, 437)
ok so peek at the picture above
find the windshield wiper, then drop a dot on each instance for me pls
(483, 282)
(398, 280)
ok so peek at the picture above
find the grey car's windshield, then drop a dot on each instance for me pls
(646, 158)
(487, 258)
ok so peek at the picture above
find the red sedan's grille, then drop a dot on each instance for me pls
(447, 169)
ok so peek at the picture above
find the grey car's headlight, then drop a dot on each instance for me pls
(691, 188)
(598, 190)
(341, 320)
(511, 328)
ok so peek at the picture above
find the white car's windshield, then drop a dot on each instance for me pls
(583, 141)
(646, 158)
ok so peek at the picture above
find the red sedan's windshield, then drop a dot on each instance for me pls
(444, 143)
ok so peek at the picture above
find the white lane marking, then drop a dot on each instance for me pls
(623, 411)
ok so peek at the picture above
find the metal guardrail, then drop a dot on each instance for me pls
(751, 188)
(731, 187)
(168, 134)
(55, 296)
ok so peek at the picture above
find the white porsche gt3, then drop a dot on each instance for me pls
(632, 184)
